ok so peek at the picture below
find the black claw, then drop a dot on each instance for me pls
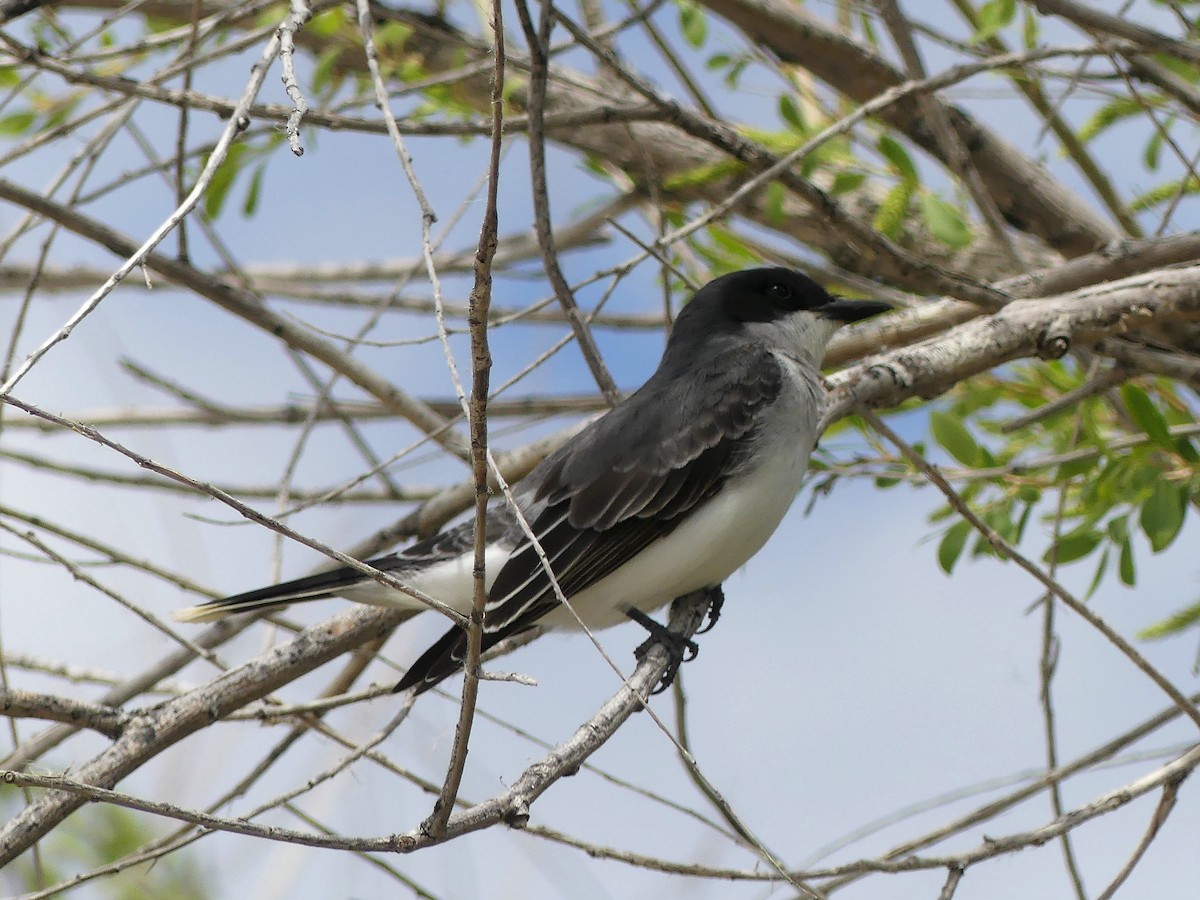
(681, 649)
(716, 599)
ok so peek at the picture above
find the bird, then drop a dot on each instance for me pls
(669, 492)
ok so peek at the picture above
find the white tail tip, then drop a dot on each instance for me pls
(203, 613)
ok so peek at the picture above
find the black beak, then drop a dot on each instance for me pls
(846, 311)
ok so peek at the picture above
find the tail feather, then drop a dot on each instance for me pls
(437, 663)
(311, 587)
(447, 656)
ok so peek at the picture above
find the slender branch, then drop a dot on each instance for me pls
(18, 704)
(1092, 19)
(298, 14)
(481, 366)
(1166, 803)
(538, 39)
(953, 877)
(993, 847)
(1048, 666)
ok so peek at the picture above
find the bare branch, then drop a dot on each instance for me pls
(19, 704)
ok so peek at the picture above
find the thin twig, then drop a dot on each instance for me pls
(538, 40)
(1166, 803)
(1048, 664)
(481, 366)
(298, 14)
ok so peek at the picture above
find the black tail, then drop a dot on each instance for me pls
(446, 657)
(312, 587)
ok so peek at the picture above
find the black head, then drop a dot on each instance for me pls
(770, 294)
(775, 307)
(763, 295)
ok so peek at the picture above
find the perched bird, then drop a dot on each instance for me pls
(668, 493)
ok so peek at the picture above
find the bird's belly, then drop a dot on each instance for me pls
(708, 547)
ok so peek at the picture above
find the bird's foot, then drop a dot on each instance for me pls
(716, 599)
(681, 649)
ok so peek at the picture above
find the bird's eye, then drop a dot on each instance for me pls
(780, 292)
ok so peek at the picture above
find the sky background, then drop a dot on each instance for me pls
(848, 679)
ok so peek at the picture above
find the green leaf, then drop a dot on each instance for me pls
(326, 68)
(1173, 624)
(845, 181)
(952, 544)
(1153, 150)
(868, 29)
(894, 209)
(1186, 449)
(222, 181)
(898, 158)
(1026, 513)
(791, 115)
(1189, 72)
(733, 78)
(253, 191)
(945, 222)
(15, 124)
(9, 77)
(1071, 547)
(328, 23)
(773, 200)
(1117, 529)
(1147, 416)
(1109, 115)
(1098, 577)
(1164, 193)
(1125, 567)
(941, 513)
(1073, 468)
(392, 35)
(993, 16)
(1162, 515)
(949, 431)
(728, 251)
(693, 24)
(60, 112)
(1031, 31)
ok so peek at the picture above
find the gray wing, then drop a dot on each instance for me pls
(632, 478)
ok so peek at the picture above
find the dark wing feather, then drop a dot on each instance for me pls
(620, 485)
